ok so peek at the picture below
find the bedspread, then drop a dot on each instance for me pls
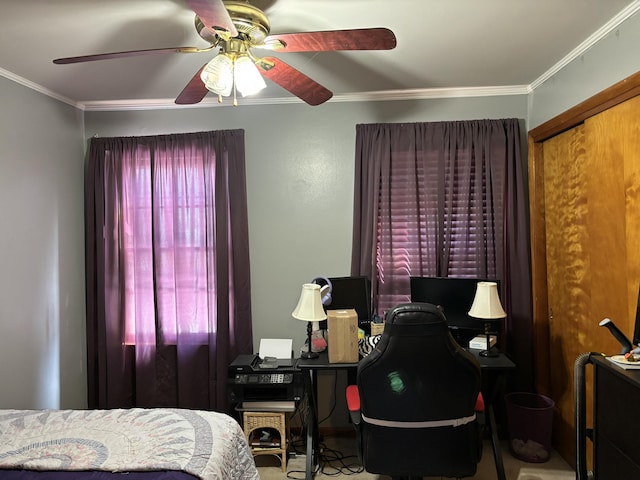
(208, 445)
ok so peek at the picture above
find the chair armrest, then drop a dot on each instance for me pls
(353, 398)
(353, 403)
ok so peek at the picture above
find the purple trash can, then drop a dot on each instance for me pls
(530, 421)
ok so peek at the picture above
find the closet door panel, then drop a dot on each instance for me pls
(566, 213)
(613, 143)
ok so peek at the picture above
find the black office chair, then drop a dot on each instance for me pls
(416, 400)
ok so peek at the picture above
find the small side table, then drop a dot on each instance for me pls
(273, 420)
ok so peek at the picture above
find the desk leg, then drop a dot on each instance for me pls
(495, 442)
(312, 423)
(492, 384)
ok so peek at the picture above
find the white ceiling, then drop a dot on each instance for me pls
(442, 46)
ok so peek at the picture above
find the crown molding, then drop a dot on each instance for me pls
(385, 95)
(595, 37)
(38, 88)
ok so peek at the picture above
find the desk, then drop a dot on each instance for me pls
(493, 368)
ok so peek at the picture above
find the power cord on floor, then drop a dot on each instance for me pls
(334, 462)
(331, 463)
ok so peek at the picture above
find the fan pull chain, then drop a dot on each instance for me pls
(235, 100)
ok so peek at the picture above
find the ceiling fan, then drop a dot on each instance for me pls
(234, 28)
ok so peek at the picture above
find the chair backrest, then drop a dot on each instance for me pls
(418, 391)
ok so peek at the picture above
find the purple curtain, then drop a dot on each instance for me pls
(445, 199)
(167, 255)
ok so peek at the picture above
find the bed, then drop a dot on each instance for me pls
(136, 444)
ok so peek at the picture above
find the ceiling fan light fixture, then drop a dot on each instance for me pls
(234, 28)
(247, 76)
(217, 76)
(249, 20)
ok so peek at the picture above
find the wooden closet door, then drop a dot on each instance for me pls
(565, 196)
(592, 224)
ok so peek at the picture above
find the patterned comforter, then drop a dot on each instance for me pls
(208, 445)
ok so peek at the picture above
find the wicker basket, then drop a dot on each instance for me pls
(274, 420)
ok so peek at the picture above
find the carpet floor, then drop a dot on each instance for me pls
(340, 460)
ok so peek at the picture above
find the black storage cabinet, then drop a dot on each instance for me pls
(616, 424)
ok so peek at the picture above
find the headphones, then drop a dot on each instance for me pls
(325, 289)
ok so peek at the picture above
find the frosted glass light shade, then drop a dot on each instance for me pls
(486, 303)
(247, 76)
(218, 75)
(309, 308)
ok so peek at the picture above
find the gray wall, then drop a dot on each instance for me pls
(42, 340)
(299, 176)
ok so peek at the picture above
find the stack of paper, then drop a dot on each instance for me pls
(480, 342)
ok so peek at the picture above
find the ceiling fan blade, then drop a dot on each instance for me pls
(293, 80)
(132, 53)
(332, 40)
(213, 14)
(194, 91)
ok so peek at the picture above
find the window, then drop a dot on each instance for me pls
(438, 196)
(170, 279)
(422, 237)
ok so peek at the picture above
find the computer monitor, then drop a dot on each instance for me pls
(455, 296)
(352, 292)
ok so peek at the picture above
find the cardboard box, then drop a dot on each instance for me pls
(342, 327)
(377, 328)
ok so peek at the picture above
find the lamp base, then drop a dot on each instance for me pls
(489, 353)
(307, 355)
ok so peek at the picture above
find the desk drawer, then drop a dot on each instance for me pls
(617, 413)
(611, 464)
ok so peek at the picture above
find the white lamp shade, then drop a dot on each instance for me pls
(309, 308)
(247, 77)
(218, 75)
(486, 303)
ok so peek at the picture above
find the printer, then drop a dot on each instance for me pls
(252, 379)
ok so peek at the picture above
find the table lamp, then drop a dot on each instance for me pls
(310, 310)
(487, 307)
